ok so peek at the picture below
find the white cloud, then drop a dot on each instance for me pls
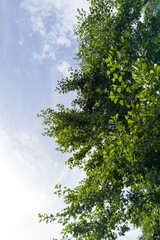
(63, 68)
(38, 25)
(24, 172)
(28, 174)
(53, 20)
(47, 52)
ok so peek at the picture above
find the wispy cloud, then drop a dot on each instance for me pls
(27, 177)
(24, 173)
(63, 68)
(53, 20)
(47, 52)
(38, 25)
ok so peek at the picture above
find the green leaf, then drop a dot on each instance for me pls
(121, 102)
(151, 72)
(120, 79)
(119, 90)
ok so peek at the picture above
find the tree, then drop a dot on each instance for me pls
(113, 127)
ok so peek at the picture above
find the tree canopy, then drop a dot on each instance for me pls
(112, 129)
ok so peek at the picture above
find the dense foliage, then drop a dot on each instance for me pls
(113, 127)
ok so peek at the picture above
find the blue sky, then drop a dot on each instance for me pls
(36, 48)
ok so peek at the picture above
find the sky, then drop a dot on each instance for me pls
(37, 47)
